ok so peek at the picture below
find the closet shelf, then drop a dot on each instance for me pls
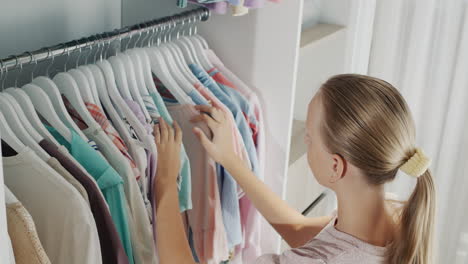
(319, 32)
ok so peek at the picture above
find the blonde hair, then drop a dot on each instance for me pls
(367, 122)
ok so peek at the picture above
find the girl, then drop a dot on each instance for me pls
(359, 134)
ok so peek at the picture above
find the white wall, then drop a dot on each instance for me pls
(30, 24)
(317, 62)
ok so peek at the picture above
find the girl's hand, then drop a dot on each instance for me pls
(168, 142)
(220, 147)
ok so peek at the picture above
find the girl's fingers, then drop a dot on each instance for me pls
(205, 118)
(204, 108)
(206, 143)
(157, 134)
(164, 130)
(217, 115)
(177, 132)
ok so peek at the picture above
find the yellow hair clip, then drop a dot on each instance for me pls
(417, 164)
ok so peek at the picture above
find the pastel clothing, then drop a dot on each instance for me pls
(197, 98)
(109, 181)
(205, 219)
(251, 220)
(111, 246)
(26, 245)
(98, 114)
(185, 191)
(330, 246)
(63, 220)
(113, 149)
(139, 223)
(268, 236)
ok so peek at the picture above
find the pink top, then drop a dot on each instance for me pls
(255, 237)
(205, 219)
(330, 246)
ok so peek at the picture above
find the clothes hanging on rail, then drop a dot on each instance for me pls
(185, 192)
(108, 180)
(205, 218)
(112, 187)
(62, 217)
(111, 246)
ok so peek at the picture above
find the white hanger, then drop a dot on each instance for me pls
(43, 105)
(13, 121)
(148, 75)
(22, 117)
(132, 82)
(52, 91)
(83, 85)
(134, 55)
(69, 88)
(159, 67)
(102, 89)
(118, 101)
(106, 101)
(181, 63)
(9, 136)
(192, 49)
(92, 84)
(185, 84)
(188, 51)
(202, 40)
(200, 53)
(31, 113)
(120, 77)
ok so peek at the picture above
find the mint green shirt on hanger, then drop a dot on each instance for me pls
(109, 181)
(185, 192)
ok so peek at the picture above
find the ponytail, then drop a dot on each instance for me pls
(413, 243)
(368, 122)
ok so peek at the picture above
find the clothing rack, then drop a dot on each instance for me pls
(188, 17)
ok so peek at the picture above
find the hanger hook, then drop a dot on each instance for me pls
(1, 73)
(103, 46)
(33, 59)
(51, 63)
(91, 43)
(79, 53)
(109, 44)
(154, 34)
(21, 69)
(68, 57)
(140, 32)
(99, 41)
(147, 31)
(128, 41)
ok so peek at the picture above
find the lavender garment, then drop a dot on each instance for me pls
(254, 3)
(330, 246)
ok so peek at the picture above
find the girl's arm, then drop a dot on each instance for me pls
(171, 239)
(294, 228)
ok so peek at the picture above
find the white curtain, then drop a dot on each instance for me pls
(421, 47)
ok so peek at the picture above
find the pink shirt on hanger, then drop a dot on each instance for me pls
(205, 219)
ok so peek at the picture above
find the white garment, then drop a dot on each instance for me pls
(140, 228)
(136, 151)
(63, 220)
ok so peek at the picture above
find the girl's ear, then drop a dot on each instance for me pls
(339, 168)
